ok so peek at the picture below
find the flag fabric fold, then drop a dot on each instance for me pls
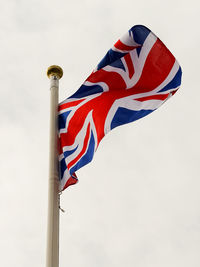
(136, 76)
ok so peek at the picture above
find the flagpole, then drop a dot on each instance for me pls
(52, 257)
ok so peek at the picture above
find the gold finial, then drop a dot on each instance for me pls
(55, 70)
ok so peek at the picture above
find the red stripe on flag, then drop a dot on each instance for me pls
(71, 181)
(152, 97)
(173, 92)
(121, 46)
(112, 79)
(69, 104)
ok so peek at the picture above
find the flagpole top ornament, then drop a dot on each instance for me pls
(55, 70)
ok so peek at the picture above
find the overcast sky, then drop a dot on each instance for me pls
(137, 203)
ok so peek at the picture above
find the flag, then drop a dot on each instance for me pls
(136, 76)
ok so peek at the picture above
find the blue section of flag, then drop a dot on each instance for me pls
(62, 167)
(87, 157)
(69, 152)
(123, 116)
(110, 58)
(62, 119)
(85, 90)
(140, 33)
(118, 64)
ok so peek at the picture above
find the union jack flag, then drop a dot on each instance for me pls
(136, 76)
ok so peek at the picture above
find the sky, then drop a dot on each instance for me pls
(137, 203)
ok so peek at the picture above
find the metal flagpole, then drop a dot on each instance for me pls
(52, 257)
